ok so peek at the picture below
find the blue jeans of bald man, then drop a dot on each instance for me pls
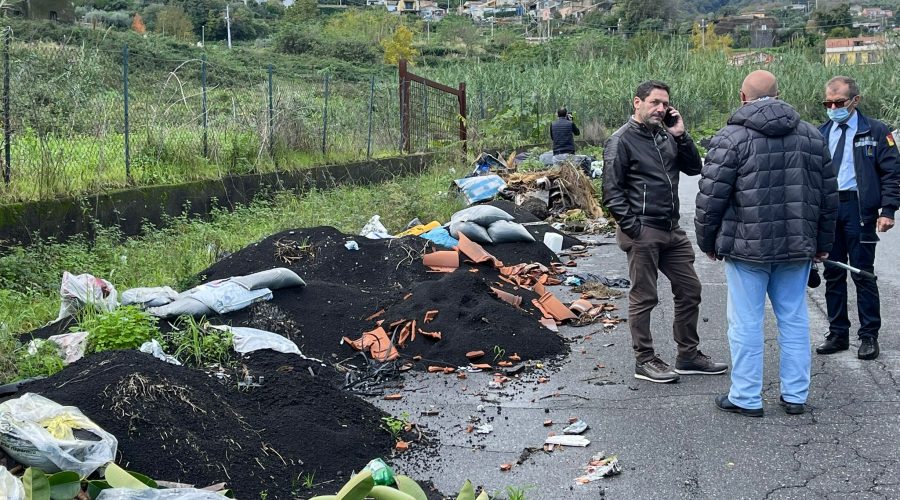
(748, 285)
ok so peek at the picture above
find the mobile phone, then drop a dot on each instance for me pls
(670, 119)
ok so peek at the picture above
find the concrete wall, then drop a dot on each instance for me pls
(128, 209)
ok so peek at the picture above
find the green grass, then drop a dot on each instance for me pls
(173, 255)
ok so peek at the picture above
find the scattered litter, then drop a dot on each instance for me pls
(603, 280)
(484, 429)
(483, 187)
(600, 466)
(505, 467)
(548, 423)
(475, 355)
(149, 297)
(38, 432)
(374, 229)
(609, 345)
(568, 440)
(247, 339)
(76, 292)
(576, 427)
(393, 397)
(73, 345)
(10, 486)
(351, 245)
(152, 347)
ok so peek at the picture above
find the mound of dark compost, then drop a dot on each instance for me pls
(179, 424)
(346, 287)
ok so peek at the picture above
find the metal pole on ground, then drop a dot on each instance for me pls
(125, 92)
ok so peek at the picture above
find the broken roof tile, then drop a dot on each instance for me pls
(556, 308)
(476, 252)
(430, 315)
(507, 297)
(445, 261)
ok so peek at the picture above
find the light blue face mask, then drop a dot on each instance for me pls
(839, 115)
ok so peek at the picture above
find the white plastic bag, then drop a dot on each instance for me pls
(374, 229)
(72, 344)
(10, 486)
(273, 279)
(153, 494)
(250, 339)
(149, 297)
(38, 432)
(152, 347)
(76, 292)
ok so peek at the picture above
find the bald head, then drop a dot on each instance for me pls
(759, 84)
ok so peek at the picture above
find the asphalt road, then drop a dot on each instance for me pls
(670, 439)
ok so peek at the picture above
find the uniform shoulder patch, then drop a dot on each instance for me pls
(890, 140)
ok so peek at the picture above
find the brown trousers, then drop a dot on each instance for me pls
(670, 252)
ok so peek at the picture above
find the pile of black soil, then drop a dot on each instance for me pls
(345, 287)
(178, 424)
(470, 318)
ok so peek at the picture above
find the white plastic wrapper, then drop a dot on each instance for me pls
(76, 292)
(149, 297)
(10, 486)
(153, 347)
(38, 432)
(152, 494)
(250, 339)
(374, 229)
(72, 344)
(273, 279)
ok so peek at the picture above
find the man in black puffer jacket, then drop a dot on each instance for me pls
(642, 163)
(767, 205)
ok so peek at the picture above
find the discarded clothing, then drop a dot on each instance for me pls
(603, 280)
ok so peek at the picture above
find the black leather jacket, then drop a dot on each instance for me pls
(640, 176)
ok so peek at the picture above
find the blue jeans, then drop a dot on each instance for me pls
(748, 285)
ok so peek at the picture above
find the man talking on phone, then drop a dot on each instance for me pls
(642, 162)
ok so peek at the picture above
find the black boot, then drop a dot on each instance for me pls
(833, 343)
(868, 348)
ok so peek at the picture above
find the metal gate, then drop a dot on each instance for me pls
(432, 115)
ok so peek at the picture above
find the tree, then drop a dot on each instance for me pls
(173, 21)
(399, 46)
(302, 11)
(137, 24)
(710, 40)
(458, 33)
(369, 25)
(647, 12)
(838, 17)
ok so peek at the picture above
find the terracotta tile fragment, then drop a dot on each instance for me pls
(395, 323)
(401, 446)
(482, 366)
(430, 315)
(505, 363)
(461, 375)
(444, 261)
(556, 308)
(505, 467)
(475, 252)
(548, 423)
(581, 306)
(448, 370)
(433, 335)
(572, 420)
(393, 397)
(542, 380)
(378, 343)
(507, 297)
(379, 313)
(474, 354)
(470, 428)
(515, 357)
(435, 369)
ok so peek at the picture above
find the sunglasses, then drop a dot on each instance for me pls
(840, 103)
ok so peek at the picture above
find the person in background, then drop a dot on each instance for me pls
(563, 132)
(642, 163)
(767, 205)
(865, 158)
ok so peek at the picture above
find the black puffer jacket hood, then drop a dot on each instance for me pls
(768, 192)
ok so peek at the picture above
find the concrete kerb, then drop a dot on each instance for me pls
(130, 209)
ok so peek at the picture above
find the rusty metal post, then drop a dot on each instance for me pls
(462, 116)
(404, 108)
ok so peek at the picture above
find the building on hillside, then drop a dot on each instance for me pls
(856, 10)
(53, 10)
(429, 11)
(876, 12)
(759, 27)
(859, 50)
(748, 58)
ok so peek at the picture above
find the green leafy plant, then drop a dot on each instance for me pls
(195, 343)
(394, 426)
(45, 361)
(126, 327)
(499, 352)
(516, 492)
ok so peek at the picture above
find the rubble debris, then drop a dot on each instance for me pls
(599, 467)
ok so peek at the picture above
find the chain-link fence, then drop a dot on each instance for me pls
(71, 128)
